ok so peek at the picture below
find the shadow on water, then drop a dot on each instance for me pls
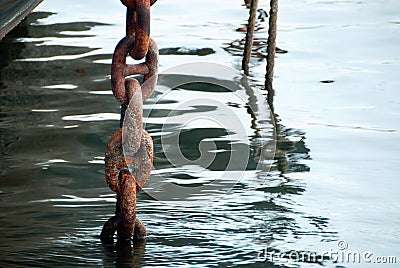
(56, 115)
(42, 155)
(38, 86)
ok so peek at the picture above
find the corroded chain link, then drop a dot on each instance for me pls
(131, 146)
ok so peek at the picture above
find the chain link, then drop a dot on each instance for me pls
(131, 145)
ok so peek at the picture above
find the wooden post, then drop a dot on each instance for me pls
(273, 14)
(249, 36)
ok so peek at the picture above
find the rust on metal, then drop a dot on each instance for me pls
(129, 155)
(126, 224)
(120, 70)
(117, 160)
(138, 24)
(126, 205)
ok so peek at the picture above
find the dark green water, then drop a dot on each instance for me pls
(335, 172)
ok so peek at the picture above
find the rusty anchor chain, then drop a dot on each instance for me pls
(129, 155)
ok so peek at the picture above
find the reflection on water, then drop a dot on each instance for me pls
(56, 115)
(259, 48)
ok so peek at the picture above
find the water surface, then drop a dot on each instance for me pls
(335, 172)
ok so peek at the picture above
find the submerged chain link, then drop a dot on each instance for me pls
(131, 145)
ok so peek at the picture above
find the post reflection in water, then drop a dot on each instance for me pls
(285, 147)
(290, 155)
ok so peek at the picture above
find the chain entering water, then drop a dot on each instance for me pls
(131, 144)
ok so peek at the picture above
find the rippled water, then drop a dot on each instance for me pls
(335, 172)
